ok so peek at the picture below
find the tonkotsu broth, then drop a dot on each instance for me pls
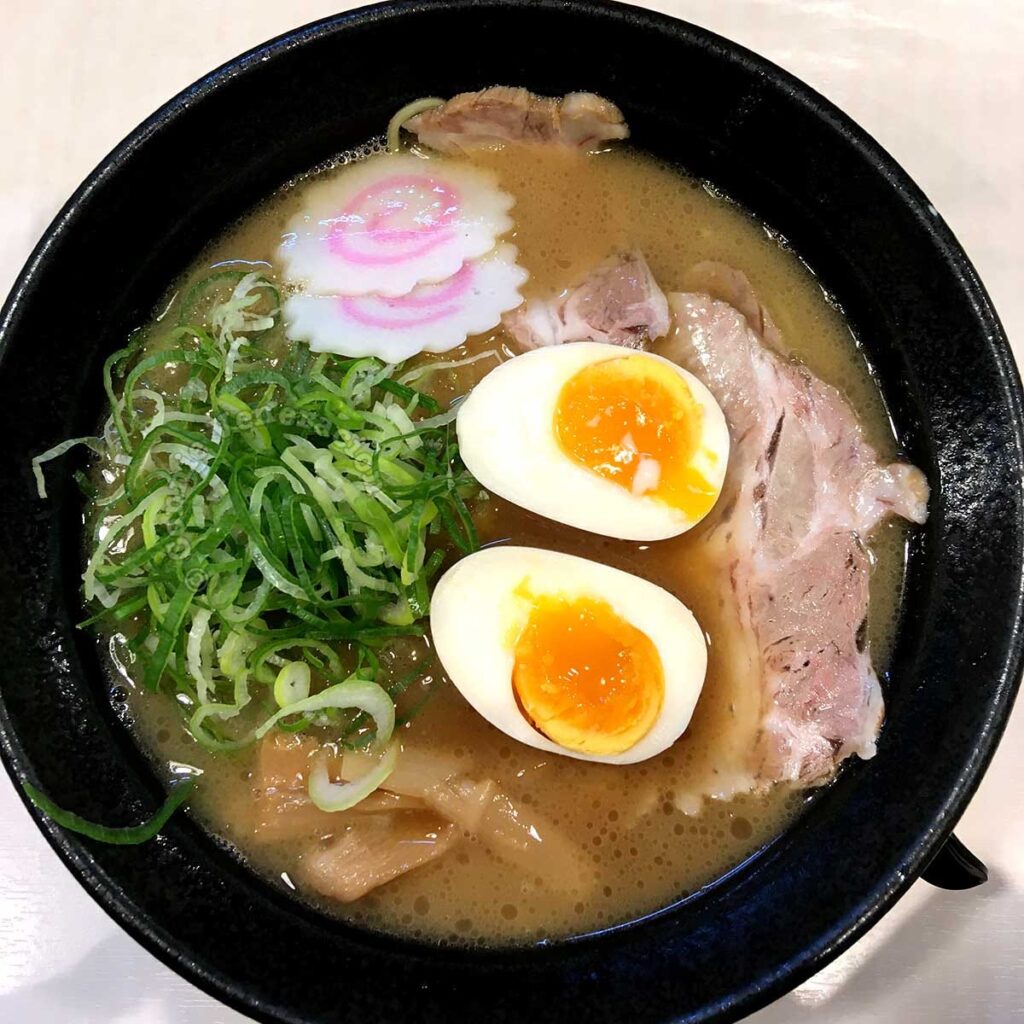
(640, 849)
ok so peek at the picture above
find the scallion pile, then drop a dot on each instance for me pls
(272, 516)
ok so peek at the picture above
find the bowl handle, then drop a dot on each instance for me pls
(955, 867)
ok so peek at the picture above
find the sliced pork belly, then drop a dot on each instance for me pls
(721, 281)
(804, 490)
(504, 114)
(618, 302)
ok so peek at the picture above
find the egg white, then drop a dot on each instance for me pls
(475, 617)
(507, 441)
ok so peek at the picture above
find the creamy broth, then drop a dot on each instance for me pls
(643, 835)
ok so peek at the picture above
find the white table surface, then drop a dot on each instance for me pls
(940, 83)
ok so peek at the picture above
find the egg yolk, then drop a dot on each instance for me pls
(585, 677)
(634, 421)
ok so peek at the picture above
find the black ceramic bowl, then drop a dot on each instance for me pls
(784, 153)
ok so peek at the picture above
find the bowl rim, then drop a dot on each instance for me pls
(874, 904)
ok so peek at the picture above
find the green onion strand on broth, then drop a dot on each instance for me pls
(271, 515)
(133, 835)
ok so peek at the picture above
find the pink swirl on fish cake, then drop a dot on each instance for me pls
(425, 305)
(400, 218)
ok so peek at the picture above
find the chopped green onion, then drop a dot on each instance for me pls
(95, 443)
(292, 683)
(133, 835)
(340, 796)
(407, 394)
(425, 369)
(268, 518)
(353, 694)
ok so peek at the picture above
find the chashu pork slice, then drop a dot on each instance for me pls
(618, 302)
(803, 492)
(505, 114)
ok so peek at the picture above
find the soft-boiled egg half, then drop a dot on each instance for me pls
(622, 443)
(568, 655)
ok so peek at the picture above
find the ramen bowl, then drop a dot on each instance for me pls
(877, 245)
